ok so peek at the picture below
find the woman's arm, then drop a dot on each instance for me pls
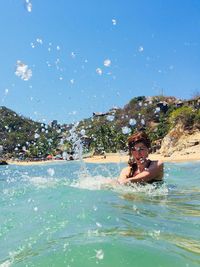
(155, 170)
(123, 175)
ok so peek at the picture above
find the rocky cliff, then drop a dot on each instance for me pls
(181, 141)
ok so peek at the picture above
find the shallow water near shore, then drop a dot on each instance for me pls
(63, 215)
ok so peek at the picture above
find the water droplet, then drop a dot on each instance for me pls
(157, 110)
(110, 117)
(140, 104)
(95, 208)
(38, 40)
(99, 71)
(82, 132)
(6, 91)
(126, 130)
(132, 122)
(28, 5)
(23, 71)
(98, 224)
(73, 55)
(51, 171)
(107, 62)
(36, 135)
(114, 22)
(99, 254)
(140, 49)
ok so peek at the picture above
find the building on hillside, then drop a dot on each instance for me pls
(1, 149)
(100, 114)
(163, 105)
(194, 102)
(179, 103)
(54, 124)
(113, 110)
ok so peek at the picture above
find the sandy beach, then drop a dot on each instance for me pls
(116, 158)
(189, 154)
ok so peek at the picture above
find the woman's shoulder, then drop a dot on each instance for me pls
(157, 162)
(156, 166)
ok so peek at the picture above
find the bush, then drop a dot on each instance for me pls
(197, 118)
(184, 115)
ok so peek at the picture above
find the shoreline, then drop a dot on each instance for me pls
(115, 158)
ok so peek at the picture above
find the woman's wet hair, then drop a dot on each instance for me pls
(137, 138)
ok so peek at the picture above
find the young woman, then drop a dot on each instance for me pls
(140, 169)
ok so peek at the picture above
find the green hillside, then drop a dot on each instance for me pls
(22, 137)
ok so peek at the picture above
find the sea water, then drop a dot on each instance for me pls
(63, 214)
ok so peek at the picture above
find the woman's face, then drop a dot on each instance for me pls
(140, 151)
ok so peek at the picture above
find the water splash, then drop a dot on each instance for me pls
(77, 147)
(126, 130)
(87, 181)
(23, 71)
(6, 263)
(42, 182)
(28, 5)
(107, 62)
(155, 189)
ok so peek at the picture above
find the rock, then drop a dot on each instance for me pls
(3, 162)
(179, 140)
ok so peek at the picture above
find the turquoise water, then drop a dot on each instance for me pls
(63, 215)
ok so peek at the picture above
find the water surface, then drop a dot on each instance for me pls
(63, 215)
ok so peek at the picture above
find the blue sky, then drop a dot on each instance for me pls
(150, 47)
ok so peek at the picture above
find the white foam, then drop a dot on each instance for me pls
(40, 181)
(147, 189)
(86, 181)
(90, 182)
(6, 263)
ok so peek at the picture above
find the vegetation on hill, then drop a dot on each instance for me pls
(104, 132)
(22, 137)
